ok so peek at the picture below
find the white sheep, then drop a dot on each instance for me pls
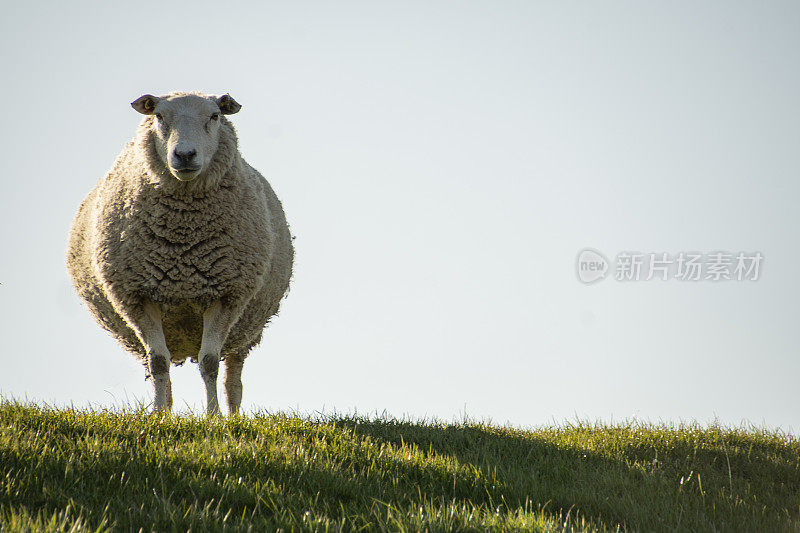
(182, 250)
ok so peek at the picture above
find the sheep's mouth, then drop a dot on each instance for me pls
(186, 173)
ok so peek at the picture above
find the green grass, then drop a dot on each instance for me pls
(71, 470)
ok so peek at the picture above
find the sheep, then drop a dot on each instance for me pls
(182, 250)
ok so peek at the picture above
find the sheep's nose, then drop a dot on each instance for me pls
(185, 158)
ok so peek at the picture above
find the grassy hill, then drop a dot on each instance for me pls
(69, 470)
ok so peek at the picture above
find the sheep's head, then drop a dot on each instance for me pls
(186, 129)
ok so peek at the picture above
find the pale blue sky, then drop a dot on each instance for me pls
(441, 164)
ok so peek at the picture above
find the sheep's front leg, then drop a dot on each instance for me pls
(217, 322)
(151, 332)
(233, 383)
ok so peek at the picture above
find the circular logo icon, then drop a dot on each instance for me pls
(592, 266)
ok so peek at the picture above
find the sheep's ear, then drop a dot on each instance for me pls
(146, 105)
(228, 105)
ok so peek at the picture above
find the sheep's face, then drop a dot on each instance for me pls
(186, 129)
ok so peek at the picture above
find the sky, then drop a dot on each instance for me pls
(442, 165)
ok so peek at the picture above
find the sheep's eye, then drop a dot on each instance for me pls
(159, 117)
(215, 116)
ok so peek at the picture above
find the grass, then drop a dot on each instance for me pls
(71, 470)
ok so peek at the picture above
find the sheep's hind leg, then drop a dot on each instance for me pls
(233, 383)
(217, 322)
(151, 333)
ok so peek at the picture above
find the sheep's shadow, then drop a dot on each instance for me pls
(717, 486)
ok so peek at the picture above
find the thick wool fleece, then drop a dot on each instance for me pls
(143, 235)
